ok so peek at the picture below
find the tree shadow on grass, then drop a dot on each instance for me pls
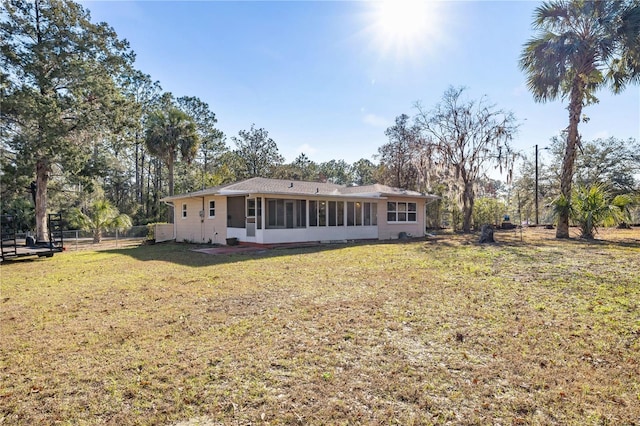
(600, 243)
(516, 239)
(20, 260)
(194, 255)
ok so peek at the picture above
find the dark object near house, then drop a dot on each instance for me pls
(506, 223)
(486, 234)
(9, 248)
(232, 241)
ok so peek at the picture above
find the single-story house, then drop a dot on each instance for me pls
(272, 211)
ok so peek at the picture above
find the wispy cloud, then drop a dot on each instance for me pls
(375, 120)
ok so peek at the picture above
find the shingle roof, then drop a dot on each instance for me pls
(260, 185)
(279, 186)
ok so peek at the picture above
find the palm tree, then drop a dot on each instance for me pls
(626, 68)
(101, 216)
(592, 206)
(580, 46)
(172, 133)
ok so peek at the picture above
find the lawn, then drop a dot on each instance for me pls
(442, 331)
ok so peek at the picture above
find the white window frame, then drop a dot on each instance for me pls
(212, 209)
(184, 210)
(404, 211)
(361, 212)
(276, 211)
(372, 216)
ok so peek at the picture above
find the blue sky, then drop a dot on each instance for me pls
(328, 77)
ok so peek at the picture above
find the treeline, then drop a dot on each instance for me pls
(79, 123)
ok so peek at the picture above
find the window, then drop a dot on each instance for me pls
(336, 213)
(333, 220)
(212, 208)
(322, 213)
(412, 215)
(362, 214)
(285, 213)
(340, 214)
(402, 212)
(319, 212)
(370, 214)
(300, 207)
(326, 213)
(272, 215)
(313, 213)
(351, 213)
(332, 213)
(184, 211)
(259, 212)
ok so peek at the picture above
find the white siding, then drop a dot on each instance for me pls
(316, 233)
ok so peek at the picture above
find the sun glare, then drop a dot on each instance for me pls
(402, 19)
(405, 27)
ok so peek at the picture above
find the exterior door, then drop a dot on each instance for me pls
(251, 217)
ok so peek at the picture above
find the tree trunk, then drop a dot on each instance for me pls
(467, 206)
(148, 196)
(566, 176)
(42, 179)
(138, 196)
(157, 185)
(486, 236)
(97, 235)
(170, 165)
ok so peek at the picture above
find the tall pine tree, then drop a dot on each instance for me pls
(60, 86)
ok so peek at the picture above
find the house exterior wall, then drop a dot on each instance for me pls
(163, 232)
(391, 230)
(266, 235)
(215, 228)
(322, 233)
(197, 229)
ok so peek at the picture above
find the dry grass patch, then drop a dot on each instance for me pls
(428, 332)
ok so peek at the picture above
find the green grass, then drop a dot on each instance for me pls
(428, 332)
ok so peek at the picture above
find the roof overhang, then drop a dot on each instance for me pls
(231, 193)
(263, 187)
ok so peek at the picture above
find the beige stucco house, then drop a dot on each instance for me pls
(272, 211)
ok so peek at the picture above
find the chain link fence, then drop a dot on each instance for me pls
(79, 240)
(83, 240)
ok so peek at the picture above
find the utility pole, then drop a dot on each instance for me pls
(537, 223)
